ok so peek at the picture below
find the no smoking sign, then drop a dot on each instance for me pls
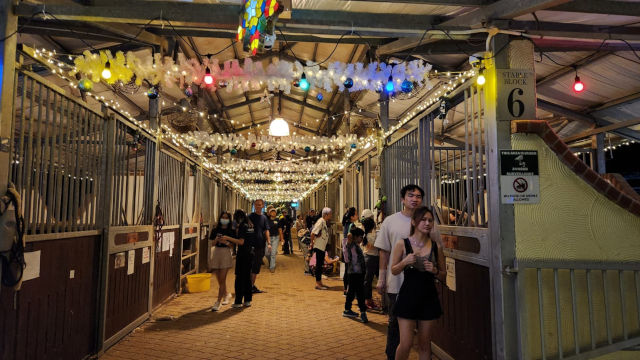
(519, 177)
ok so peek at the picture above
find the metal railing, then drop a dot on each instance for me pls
(133, 164)
(170, 187)
(577, 310)
(56, 158)
(456, 185)
(400, 168)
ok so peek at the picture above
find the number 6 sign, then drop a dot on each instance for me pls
(516, 94)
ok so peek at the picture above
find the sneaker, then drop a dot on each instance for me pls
(255, 290)
(226, 299)
(350, 314)
(235, 306)
(247, 303)
(363, 317)
(216, 306)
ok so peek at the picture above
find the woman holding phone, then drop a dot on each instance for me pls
(220, 261)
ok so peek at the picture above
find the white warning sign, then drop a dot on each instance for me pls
(519, 177)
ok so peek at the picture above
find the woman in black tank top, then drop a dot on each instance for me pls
(417, 302)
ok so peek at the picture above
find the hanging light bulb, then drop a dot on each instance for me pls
(578, 86)
(208, 78)
(480, 80)
(389, 87)
(106, 72)
(279, 127)
(304, 83)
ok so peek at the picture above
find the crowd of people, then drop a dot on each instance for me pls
(402, 252)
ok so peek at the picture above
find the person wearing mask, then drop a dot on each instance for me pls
(417, 303)
(246, 240)
(319, 240)
(274, 238)
(263, 242)
(371, 256)
(222, 237)
(395, 228)
(284, 230)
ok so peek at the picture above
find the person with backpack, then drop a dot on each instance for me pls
(417, 302)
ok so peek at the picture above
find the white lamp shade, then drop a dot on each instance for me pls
(279, 127)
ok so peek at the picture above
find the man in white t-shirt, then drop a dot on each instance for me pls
(319, 240)
(395, 228)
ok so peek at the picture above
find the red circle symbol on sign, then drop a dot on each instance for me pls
(520, 185)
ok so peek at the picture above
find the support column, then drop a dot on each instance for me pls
(598, 146)
(384, 124)
(517, 54)
(8, 26)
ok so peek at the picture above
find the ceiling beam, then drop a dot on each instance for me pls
(603, 7)
(241, 104)
(433, 2)
(576, 31)
(300, 102)
(599, 130)
(224, 16)
(502, 9)
(587, 119)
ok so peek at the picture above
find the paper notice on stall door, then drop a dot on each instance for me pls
(131, 261)
(32, 269)
(451, 274)
(146, 251)
(165, 240)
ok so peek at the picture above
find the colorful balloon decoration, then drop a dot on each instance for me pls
(257, 21)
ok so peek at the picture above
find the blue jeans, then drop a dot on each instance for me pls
(274, 251)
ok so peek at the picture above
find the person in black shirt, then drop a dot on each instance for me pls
(220, 261)
(261, 227)
(284, 230)
(311, 219)
(244, 259)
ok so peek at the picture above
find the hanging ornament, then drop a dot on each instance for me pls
(188, 91)
(307, 149)
(222, 84)
(407, 86)
(233, 151)
(293, 151)
(85, 84)
(213, 151)
(319, 97)
(253, 145)
(303, 83)
(348, 83)
(152, 93)
(353, 146)
(296, 83)
(193, 144)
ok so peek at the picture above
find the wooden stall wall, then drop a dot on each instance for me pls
(167, 267)
(127, 294)
(464, 330)
(54, 314)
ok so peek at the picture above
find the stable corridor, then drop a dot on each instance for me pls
(291, 320)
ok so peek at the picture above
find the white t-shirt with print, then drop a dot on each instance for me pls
(394, 228)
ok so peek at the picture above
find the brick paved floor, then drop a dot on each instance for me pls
(291, 320)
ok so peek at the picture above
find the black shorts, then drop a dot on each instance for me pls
(257, 261)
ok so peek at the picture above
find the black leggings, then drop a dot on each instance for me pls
(243, 275)
(371, 262)
(356, 290)
(319, 263)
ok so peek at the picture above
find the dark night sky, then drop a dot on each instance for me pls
(626, 161)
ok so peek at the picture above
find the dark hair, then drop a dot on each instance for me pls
(356, 231)
(369, 224)
(417, 216)
(239, 216)
(218, 226)
(347, 216)
(411, 187)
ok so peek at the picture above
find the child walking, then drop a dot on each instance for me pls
(354, 258)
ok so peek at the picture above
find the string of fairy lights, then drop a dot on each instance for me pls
(267, 180)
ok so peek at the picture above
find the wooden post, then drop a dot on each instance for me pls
(8, 26)
(601, 162)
